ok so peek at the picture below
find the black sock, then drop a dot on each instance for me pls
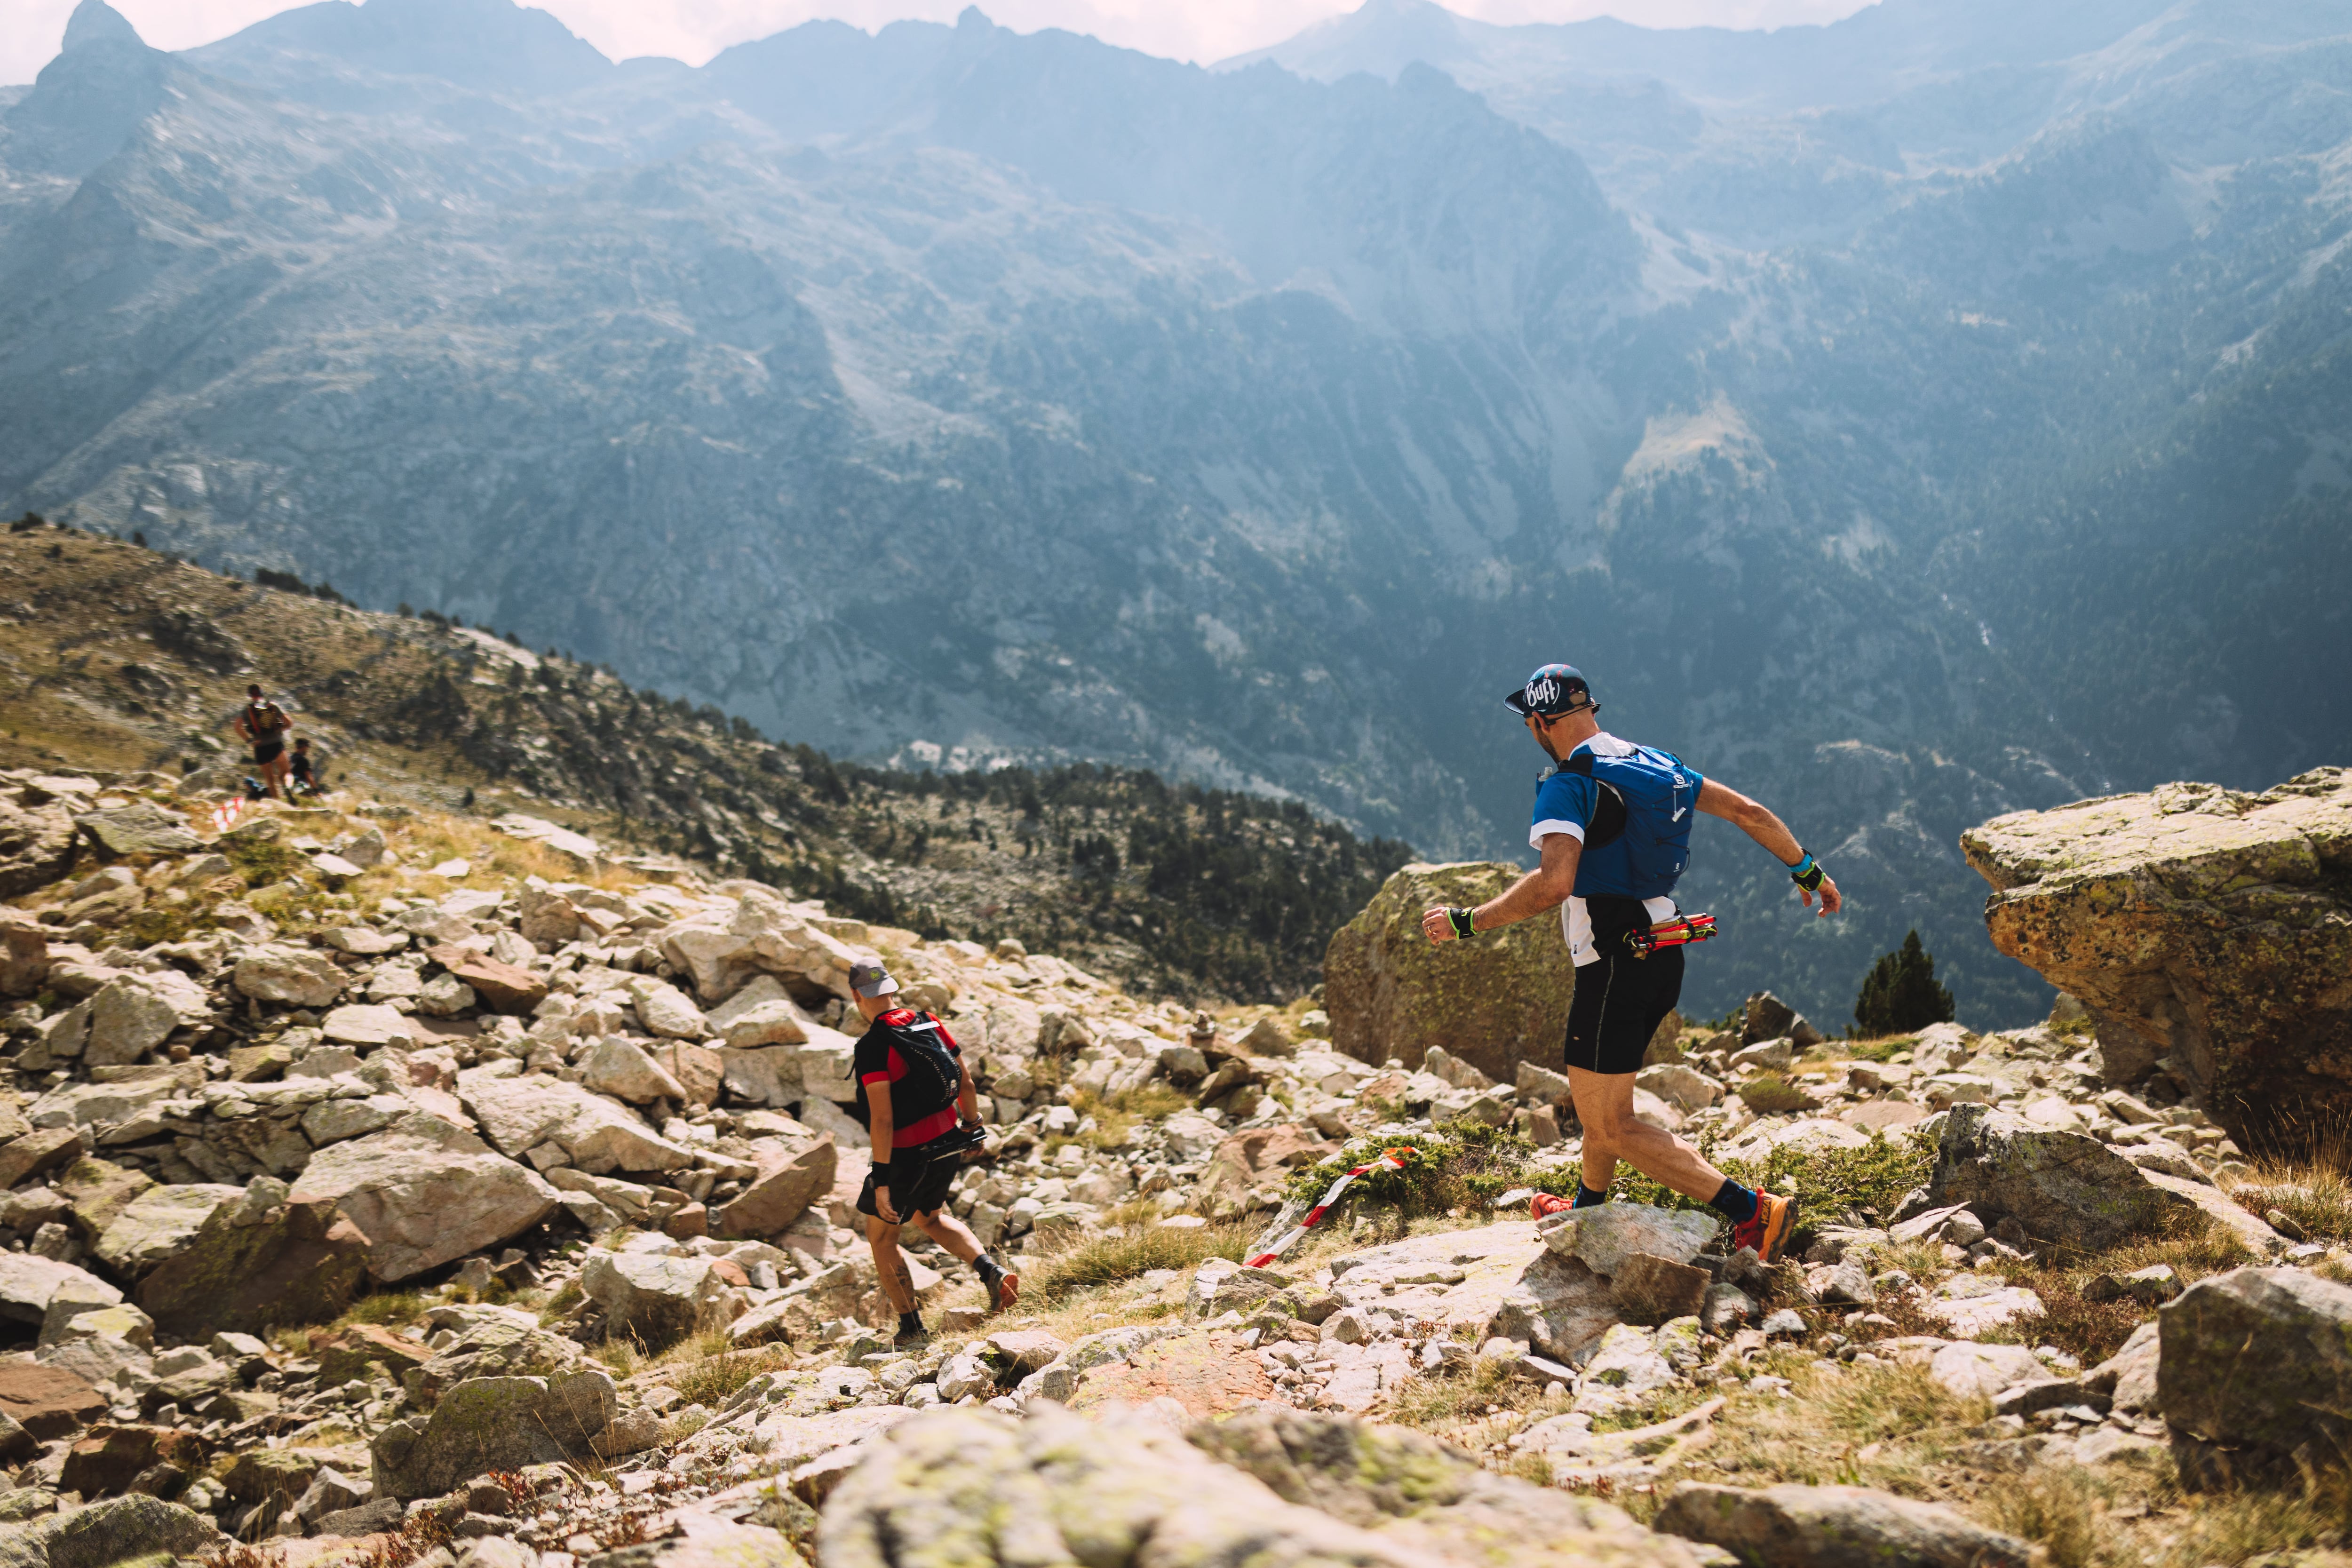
(985, 1265)
(1734, 1202)
(1587, 1198)
(910, 1323)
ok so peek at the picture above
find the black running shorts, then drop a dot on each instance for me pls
(1620, 1002)
(917, 1185)
(268, 751)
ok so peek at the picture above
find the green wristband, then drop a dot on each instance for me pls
(1460, 918)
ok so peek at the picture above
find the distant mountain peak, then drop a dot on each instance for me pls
(492, 46)
(96, 22)
(1381, 37)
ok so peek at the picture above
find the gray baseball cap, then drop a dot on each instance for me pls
(870, 980)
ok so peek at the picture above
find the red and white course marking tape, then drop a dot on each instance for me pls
(1393, 1160)
(226, 814)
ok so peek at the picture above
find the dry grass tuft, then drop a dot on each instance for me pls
(1882, 1426)
(1475, 1407)
(708, 1369)
(2192, 1244)
(2061, 1509)
(1114, 1256)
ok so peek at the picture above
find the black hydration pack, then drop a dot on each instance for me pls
(932, 1078)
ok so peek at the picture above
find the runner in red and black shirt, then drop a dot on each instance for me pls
(915, 1097)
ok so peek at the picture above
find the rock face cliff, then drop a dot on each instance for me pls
(2207, 930)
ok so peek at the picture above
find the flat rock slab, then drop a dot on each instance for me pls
(1985, 1306)
(1883, 1115)
(1974, 1369)
(48, 1401)
(1364, 1374)
(139, 830)
(368, 1025)
(1835, 1527)
(1499, 1279)
(1209, 1374)
(790, 1441)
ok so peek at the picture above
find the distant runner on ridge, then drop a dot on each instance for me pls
(1613, 822)
(262, 724)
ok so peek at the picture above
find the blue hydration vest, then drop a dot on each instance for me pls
(1638, 850)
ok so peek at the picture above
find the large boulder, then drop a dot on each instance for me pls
(2259, 1359)
(1606, 1235)
(109, 1457)
(2062, 1186)
(724, 948)
(1409, 1487)
(38, 839)
(2198, 925)
(492, 1424)
(652, 1298)
(115, 1530)
(254, 1263)
(297, 976)
(517, 1114)
(781, 1194)
(133, 1013)
(1492, 1001)
(422, 1192)
(48, 1401)
(29, 1283)
(158, 1223)
(618, 1066)
(761, 1013)
(1835, 1527)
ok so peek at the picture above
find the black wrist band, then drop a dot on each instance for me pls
(1462, 921)
(1808, 874)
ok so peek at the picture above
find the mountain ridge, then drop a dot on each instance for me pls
(1027, 399)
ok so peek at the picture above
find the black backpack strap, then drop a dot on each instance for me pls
(1577, 762)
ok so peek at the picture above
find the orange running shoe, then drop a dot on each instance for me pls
(1549, 1202)
(1769, 1230)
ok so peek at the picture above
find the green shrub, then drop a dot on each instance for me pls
(263, 861)
(1462, 1163)
(1770, 1094)
(1867, 1181)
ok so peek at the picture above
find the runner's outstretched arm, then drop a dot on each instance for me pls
(1545, 888)
(1753, 818)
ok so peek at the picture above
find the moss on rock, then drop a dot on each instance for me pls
(1494, 1001)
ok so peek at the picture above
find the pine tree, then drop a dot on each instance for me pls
(1900, 993)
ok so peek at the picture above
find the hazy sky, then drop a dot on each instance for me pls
(694, 30)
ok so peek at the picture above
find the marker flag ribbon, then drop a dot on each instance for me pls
(1391, 1160)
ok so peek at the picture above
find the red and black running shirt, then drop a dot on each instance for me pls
(915, 1055)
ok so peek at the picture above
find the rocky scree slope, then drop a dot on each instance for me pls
(558, 1164)
(119, 658)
